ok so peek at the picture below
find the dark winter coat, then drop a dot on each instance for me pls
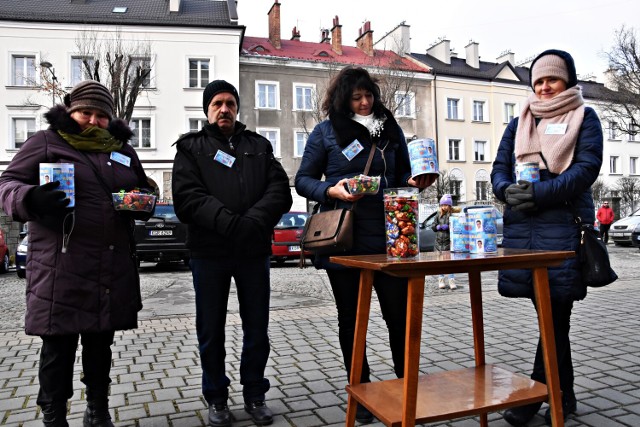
(323, 157)
(442, 241)
(94, 286)
(551, 226)
(229, 210)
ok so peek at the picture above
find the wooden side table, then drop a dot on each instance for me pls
(452, 394)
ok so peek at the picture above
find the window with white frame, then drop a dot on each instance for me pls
(509, 111)
(613, 130)
(479, 149)
(79, 71)
(198, 72)
(23, 70)
(300, 140)
(273, 135)
(141, 127)
(141, 65)
(479, 111)
(453, 109)
(483, 185)
(456, 178)
(613, 164)
(267, 95)
(633, 165)
(406, 104)
(303, 97)
(455, 149)
(23, 129)
(632, 131)
(196, 124)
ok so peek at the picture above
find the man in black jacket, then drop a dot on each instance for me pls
(231, 191)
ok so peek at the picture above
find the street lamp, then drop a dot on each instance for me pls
(54, 79)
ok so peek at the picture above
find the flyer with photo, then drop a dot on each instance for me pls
(63, 173)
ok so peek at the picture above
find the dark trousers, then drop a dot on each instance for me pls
(57, 358)
(604, 232)
(561, 313)
(212, 283)
(392, 295)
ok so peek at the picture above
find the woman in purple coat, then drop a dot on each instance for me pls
(82, 278)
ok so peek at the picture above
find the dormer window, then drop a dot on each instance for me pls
(120, 9)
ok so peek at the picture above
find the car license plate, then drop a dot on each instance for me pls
(294, 248)
(161, 233)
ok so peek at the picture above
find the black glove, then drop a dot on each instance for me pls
(520, 196)
(45, 200)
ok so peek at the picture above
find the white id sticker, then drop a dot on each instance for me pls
(556, 129)
(120, 158)
(224, 158)
(352, 150)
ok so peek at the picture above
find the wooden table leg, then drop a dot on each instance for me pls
(415, 303)
(359, 339)
(545, 322)
(477, 320)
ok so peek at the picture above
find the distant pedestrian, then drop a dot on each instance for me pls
(443, 240)
(605, 217)
(556, 130)
(82, 275)
(231, 191)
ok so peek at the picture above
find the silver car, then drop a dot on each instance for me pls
(621, 231)
(427, 236)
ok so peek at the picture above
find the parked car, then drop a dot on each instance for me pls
(285, 243)
(21, 257)
(162, 238)
(621, 231)
(427, 236)
(4, 254)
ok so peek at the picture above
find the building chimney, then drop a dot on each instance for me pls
(472, 56)
(364, 42)
(507, 56)
(441, 51)
(295, 34)
(274, 25)
(397, 40)
(610, 80)
(324, 36)
(336, 36)
(174, 6)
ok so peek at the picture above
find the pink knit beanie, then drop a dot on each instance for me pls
(549, 66)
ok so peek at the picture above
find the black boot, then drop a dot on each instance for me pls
(97, 412)
(55, 414)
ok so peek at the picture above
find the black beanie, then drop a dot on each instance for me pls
(568, 60)
(89, 94)
(214, 88)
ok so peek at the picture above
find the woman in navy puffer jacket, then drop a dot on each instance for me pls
(564, 137)
(338, 148)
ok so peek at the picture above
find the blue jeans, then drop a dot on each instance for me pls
(212, 282)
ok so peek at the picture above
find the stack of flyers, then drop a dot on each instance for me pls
(63, 173)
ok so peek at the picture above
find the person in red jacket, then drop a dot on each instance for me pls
(605, 218)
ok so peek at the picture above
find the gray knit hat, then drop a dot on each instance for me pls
(214, 88)
(90, 94)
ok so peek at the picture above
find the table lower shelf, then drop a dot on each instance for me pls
(451, 394)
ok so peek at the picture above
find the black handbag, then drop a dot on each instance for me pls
(330, 231)
(593, 258)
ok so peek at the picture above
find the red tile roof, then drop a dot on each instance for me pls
(322, 52)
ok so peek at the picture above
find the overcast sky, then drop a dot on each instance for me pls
(584, 28)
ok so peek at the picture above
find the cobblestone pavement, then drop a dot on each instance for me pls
(156, 373)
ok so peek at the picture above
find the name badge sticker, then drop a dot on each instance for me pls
(352, 150)
(556, 129)
(224, 158)
(120, 158)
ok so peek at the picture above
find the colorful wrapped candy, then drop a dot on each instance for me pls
(401, 222)
(134, 200)
(363, 184)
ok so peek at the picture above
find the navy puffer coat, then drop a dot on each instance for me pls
(323, 156)
(551, 226)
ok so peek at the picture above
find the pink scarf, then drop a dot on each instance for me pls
(533, 142)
